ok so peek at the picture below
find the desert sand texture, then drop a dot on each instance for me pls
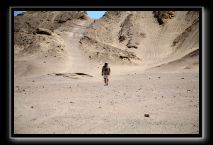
(154, 82)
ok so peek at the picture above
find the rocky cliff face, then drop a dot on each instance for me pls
(34, 31)
(31, 20)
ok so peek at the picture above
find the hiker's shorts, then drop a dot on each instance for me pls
(106, 76)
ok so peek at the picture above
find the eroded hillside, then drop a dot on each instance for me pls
(56, 40)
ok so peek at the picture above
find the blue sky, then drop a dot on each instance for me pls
(92, 14)
(17, 12)
(95, 14)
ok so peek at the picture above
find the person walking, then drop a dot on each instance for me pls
(106, 73)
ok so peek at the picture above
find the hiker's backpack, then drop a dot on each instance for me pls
(106, 70)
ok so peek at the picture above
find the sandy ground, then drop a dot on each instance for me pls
(75, 104)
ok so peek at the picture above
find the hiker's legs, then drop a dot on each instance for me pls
(105, 81)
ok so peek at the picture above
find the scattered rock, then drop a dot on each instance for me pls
(159, 77)
(188, 90)
(146, 115)
(121, 38)
(33, 119)
(132, 45)
(83, 74)
(163, 16)
(182, 78)
(187, 67)
(44, 61)
(124, 57)
(71, 102)
(32, 107)
(43, 31)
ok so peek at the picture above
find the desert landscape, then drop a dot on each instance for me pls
(154, 82)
